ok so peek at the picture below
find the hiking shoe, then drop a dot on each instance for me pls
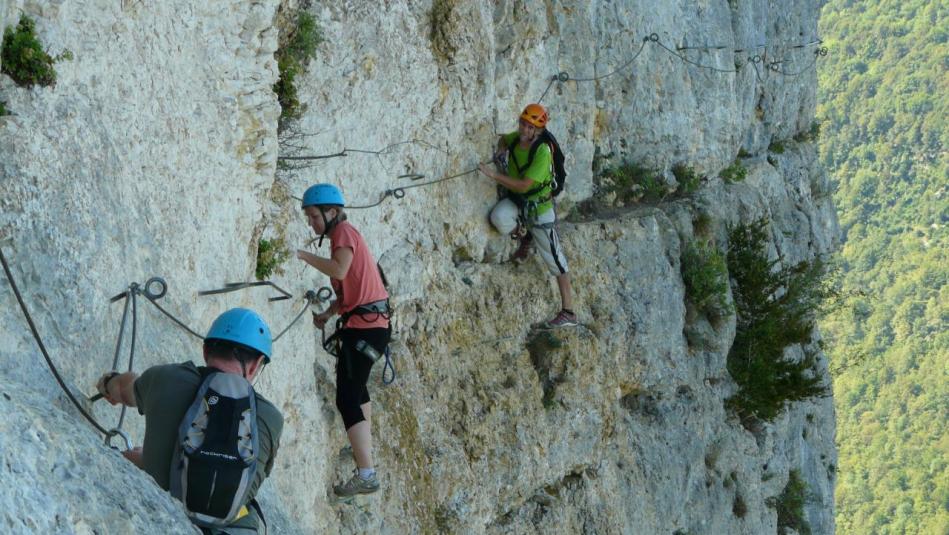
(562, 319)
(523, 250)
(357, 485)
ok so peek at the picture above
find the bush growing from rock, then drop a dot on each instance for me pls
(776, 308)
(270, 254)
(706, 278)
(632, 182)
(687, 178)
(305, 36)
(23, 56)
(790, 504)
(735, 172)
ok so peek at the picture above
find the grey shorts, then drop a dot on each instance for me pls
(542, 228)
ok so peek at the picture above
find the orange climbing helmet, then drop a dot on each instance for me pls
(535, 114)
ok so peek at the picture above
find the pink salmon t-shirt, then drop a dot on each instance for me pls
(362, 284)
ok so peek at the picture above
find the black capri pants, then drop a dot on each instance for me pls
(352, 371)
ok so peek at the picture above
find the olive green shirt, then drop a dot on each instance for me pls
(163, 395)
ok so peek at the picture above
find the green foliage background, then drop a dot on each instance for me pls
(884, 99)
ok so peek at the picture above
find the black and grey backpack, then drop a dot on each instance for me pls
(216, 451)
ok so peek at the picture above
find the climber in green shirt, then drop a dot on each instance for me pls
(529, 203)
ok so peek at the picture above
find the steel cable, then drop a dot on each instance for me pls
(39, 342)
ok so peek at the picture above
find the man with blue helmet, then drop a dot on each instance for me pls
(238, 342)
(362, 331)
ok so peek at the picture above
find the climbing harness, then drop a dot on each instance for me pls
(332, 345)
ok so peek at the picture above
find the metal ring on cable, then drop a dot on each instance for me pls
(324, 293)
(822, 51)
(755, 59)
(562, 76)
(162, 285)
(654, 37)
(118, 432)
(398, 193)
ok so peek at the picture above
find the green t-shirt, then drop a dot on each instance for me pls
(163, 395)
(541, 171)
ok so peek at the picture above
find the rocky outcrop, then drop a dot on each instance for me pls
(156, 155)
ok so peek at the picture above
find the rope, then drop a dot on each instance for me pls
(818, 53)
(654, 39)
(399, 192)
(647, 39)
(174, 319)
(562, 77)
(49, 361)
(686, 60)
(346, 151)
(311, 297)
(388, 366)
(118, 425)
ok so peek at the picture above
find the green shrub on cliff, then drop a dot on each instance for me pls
(736, 172)
(790, 504)
(706, 278)
(270, 254)
(632, 182)
(300, 47)
(23, 56)
(776, 307)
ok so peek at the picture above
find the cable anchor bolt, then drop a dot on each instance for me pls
(118, 432)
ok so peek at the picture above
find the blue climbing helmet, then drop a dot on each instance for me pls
(323, 195)
(244, 327)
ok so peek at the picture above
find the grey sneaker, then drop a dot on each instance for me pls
(357, 485)
(562, 319)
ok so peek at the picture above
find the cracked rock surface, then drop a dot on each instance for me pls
(156, 155)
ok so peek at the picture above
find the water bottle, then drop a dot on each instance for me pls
(366, 349)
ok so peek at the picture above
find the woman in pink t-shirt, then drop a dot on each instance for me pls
(362, 329)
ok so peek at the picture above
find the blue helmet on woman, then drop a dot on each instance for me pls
(323, 195)
(245, 327)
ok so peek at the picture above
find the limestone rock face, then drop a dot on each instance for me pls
(155, 154)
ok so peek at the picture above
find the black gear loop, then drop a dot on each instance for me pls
(654, 37)
(398, 193)
(562, 76)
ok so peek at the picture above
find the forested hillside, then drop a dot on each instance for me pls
(884, 93)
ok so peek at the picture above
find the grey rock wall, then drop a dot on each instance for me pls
(156, 153)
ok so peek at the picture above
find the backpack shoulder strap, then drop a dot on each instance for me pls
(530, 154)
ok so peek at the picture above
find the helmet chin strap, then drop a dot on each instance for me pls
(327, 224)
